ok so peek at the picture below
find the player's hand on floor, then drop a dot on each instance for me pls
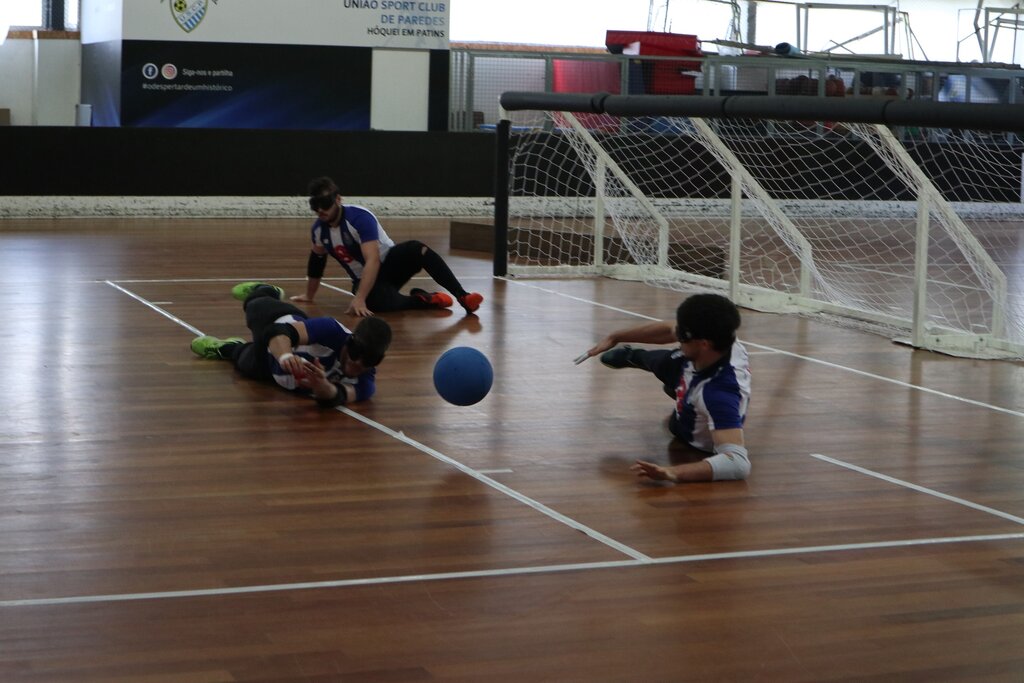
(359, 308)
(652, 471)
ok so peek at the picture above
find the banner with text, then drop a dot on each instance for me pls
(415, 24)
(230, 85)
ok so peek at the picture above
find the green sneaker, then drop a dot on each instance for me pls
(211, 347)
(243, 290)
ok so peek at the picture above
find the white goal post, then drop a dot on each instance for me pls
(785, 205)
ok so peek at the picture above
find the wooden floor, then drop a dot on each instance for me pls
(163, 519)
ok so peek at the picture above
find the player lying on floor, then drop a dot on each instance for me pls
(708, 376)
(313, 356)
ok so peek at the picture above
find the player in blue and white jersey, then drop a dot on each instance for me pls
(379, 268)
(708, 377)
(312, 356)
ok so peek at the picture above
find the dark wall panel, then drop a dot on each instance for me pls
(437, 101)
(52, 161)
(258, 163)
(237, 85)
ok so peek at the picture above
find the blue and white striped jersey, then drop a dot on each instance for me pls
(358, 225)
(714, 398)
(327, 337)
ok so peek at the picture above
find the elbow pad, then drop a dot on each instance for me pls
(316, 264)
(277, 329)
(730, 461)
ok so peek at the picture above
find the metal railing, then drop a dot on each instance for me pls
(478, 77)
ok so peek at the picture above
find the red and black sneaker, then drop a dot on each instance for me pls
(471, 301)
(432, 299)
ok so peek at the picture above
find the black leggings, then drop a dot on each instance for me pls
(668, 368)
(402, 262)
(262, 308)
(662, 364)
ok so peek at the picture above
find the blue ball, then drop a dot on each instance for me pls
(463, 376)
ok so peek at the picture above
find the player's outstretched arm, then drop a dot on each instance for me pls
(314, 272)
(729, 462)
(371, 252)
(602, 346)
(691, 471)
(651, 333)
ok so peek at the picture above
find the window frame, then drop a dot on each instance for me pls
(54, 16)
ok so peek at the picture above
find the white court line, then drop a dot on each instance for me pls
(156, 308)
(498, 471)
(577, 298)
(336, 289)
(839, 547)
(539, 507)
(809, 359)
(921, 489)
(511, 571)
(523, 570)
(897, 382)
(512, 493)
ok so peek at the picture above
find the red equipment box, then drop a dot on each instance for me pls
(675, 43)
(661, 77)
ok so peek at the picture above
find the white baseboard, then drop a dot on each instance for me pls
(231, 207)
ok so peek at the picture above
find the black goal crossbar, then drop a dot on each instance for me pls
(988, 117)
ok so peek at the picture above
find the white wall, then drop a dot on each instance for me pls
(58, 73)
(102, 22)
(400, 90)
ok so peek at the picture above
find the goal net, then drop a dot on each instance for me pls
(913, 233)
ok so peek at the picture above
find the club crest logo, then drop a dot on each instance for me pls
(188, 14)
